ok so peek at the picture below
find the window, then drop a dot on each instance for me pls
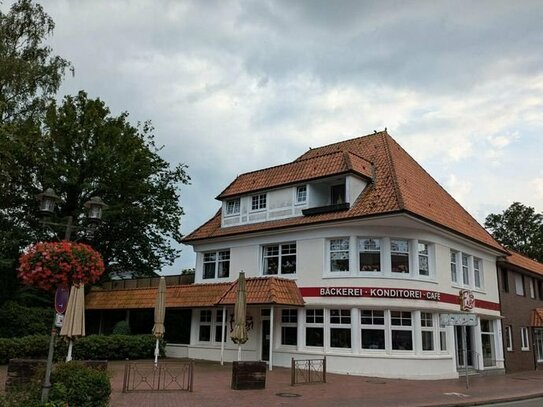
(289, 324)
(232, 207)
(540, 289)
(218, 326)
(454, 266)
(488, 342)
(337, 194)
(505, 280)
(531, 285)
(301, 194)
(370, 254)
(258, 202)
(204, 335)
(339, 255)
(538, 343)
(427, 331)
(465, 269)
(519, 284)
(279, 259)
(424, 265)
(217, 264)
(314, 327)
(508, 338)
(399, 256)
(524, 342)
(340, 328)
(372, 329)
(443, 340)
(401, 330)
(477, 275)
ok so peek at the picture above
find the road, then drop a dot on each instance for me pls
(523, 403)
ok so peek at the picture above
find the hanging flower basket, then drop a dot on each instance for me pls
(48, 265)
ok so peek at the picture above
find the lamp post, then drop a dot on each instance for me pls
(48, 200)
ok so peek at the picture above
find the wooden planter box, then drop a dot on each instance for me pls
(248, 375)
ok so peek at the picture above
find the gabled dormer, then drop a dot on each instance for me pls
(305, 187)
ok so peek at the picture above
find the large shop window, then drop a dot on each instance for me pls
(289, 327)
(372, 324)
(339, 255)
(488, 343)
(314, 327)
(399, 255)
(279, 259)
(217, 264)
(204, 335)
(427, 331)
(370, 254)
(340, 328)
(401, 330)
(454, 266)
(424, 264)
(538, 343)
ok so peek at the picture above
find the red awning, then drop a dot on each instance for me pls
(537, 317)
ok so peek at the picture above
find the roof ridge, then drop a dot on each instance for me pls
(343, 141)
(394, 174)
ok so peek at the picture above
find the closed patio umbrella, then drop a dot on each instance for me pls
(239, 333)
(74, 320)
(160, 311)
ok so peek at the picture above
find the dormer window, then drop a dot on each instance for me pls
(258, 202)
(337, 194)
(232, 207)
(301, 194)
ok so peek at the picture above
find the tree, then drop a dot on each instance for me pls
(519, 228)
(29, 74)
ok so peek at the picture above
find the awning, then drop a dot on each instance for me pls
(537, 317)
(260, 291)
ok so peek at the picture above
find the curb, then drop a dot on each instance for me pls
(489, 401)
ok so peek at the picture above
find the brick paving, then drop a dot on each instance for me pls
(212, 388)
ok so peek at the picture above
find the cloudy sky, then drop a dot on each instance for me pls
(233, 86)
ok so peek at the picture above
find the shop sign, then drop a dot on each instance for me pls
(403, 293)
(467, 300)
(458, 319)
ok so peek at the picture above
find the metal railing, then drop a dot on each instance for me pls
(305, 371)
(166, 376)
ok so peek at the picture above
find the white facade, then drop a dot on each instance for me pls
(380, 332)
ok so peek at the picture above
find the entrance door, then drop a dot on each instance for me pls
(463, 344)
(265, 340)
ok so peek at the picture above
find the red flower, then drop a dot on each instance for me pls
(47, 265)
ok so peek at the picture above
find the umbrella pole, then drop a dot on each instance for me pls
(69, 355)
(156, 352)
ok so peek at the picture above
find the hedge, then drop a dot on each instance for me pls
(17, 321)
(77, 385)
(93, 347)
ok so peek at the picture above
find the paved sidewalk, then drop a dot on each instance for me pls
(212, 388)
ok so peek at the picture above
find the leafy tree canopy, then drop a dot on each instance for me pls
(519, 228)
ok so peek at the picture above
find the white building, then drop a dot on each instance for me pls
(378, 250)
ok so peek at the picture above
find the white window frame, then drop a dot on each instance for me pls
(362, 249)
(330, 251)
(443, 346)
(281, 247)
(314, 325)
(478, 272)
(509, 338)
(454, 266)
(524, 339)
(424, 255)
(289, 319)
(217, 261)
(261, 201)
(374, 327)
(301, 191)
(232, 207)
(410, 328)
(465, 268)
(400, 252)
(344, 322)
(218, 324)
(427, 328)
(519, 284)
(205, 322)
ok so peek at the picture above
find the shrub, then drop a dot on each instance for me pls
(121, 328)
(35, 346)
(17, 321)
(77, 385)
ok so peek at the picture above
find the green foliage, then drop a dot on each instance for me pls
(27, 396)
(17, 320)
(78, 385)
(121, 328)
(519, 228)
(35, 346)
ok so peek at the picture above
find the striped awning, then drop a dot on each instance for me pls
(537, 317)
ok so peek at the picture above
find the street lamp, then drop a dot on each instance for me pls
(48, 199)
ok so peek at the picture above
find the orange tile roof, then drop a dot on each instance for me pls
(400, 185)
(271, 290)
(519, 260)
(335, 163)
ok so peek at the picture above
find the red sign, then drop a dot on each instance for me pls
(61, 299)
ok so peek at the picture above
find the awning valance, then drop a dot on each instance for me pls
(537, 317)
(260, 291)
